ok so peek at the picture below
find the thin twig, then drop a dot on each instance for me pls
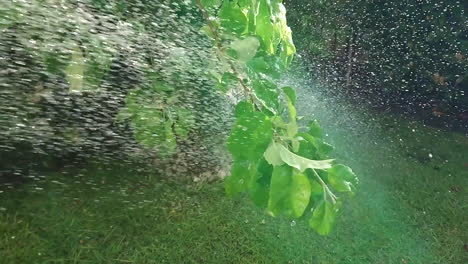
(217, 40)
(325, 187)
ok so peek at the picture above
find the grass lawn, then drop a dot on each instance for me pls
(409, 209)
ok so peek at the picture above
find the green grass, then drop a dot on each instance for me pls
(409, 209)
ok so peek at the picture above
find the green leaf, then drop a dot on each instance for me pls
(316, 191)
(244, 3)
(251, 134)
(75, 70)
(98, 63)
(245, 48)
(264, 28)
(342, 178)
(278, 122)
(243, 109)
(148, 128)
(267, 92)
(272, 155)
(315, 129)
(307, 149)
(292, 129)
(323, 217)
(226, 80)
(287, 48)
(170, 143)
(282, 33)
(210, 3)
(10, 14)
(260, 190)
(289, 192)
(185, 122)
(260, 194)
(322, 148)
(240, 178)
(301, 163)
(290, 93)
(264, 65)
(151, 129)
(232, 18)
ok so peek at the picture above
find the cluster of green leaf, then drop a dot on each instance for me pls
(282, 168)
(53, 66)
(79, 53)
(81, 57)
(157, 119)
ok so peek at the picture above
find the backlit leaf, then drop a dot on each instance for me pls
(323, 217)
(342, 178)
(302, 163)
(289, 91)
(267, 92)
(232, 18)
(251, 134)
(245, 48)
(185, 121)
(289, 192)
(264, 28)
(75, 70)
(272, 155)
(315, 129)
(210, 3)
(239, 179)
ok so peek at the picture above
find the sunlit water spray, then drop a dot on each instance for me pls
(68, 67)
(391, 155)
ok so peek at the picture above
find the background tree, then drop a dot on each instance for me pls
(409, 54)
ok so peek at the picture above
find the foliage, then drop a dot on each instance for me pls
(100, 77)
(283, 168)
(157, 122)
(155, 221)
(120, 68)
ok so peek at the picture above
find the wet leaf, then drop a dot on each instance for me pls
(267, 92)
(323, 217)
(75, 71)
(272, 155)
(251, 134)
(240, 178)
(264, 28)
(245, 48)
(301, 163)
(289, 192)
(232, 18)
(315, 130)
(342, 178)
(210, 3)
(290, 93)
